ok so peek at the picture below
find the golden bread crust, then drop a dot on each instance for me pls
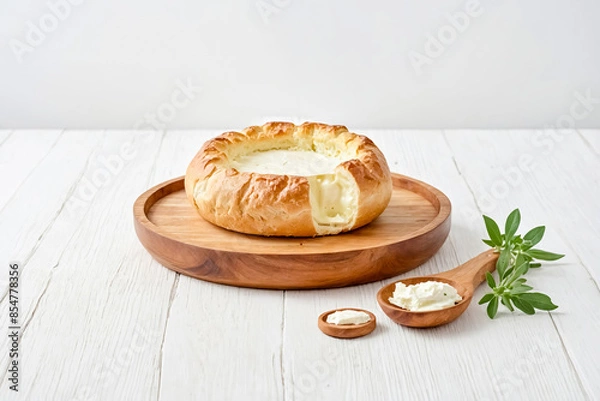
(280, 205)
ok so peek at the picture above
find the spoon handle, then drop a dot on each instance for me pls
(472, 272)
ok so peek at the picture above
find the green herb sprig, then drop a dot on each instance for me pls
(517, 255)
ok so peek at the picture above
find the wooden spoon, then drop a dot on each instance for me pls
(465, 278)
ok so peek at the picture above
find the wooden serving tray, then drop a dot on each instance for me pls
(412, 228)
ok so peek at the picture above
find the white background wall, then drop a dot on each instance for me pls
(112, 63)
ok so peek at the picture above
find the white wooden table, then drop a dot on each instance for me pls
(101, 320)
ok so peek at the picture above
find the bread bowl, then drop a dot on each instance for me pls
(282, 179)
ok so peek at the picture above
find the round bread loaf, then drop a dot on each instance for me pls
(286, 180)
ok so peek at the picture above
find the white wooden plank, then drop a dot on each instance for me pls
(559, 192)
(31, 215)
(34, 206)
(100, 319)
(4, 135)
(221, 342)
(20, 153)
(472, 358)
(592, 138)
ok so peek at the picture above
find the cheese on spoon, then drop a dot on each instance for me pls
(425, 296)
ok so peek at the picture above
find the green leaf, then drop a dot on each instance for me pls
(535, 235)
(503, 263)
(520, 289)
(535, 265)
(506, 302)
(518, 272)
(490, 280)
(538, 300)
(522, 258)
(489, 242)
(512, 224)
(523, 306)
(492, 308)
(493, 231)
(486, 298)
(507, 276)
(544, 255)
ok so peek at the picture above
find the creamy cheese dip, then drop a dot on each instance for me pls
(426, 296)
(348, 316)
(286, 162)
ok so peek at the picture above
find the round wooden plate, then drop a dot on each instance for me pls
(412, 228)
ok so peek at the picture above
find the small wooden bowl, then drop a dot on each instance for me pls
(346, 330)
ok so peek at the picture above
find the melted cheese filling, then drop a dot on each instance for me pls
(286, 162)
(334, 201)
(333, 194)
